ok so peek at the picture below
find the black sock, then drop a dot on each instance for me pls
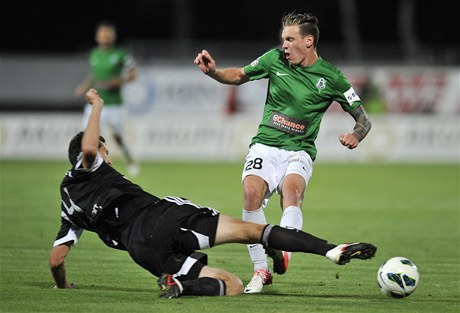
(204, 286)
(294, 240)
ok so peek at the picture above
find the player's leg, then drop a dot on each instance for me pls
(258, 180)
(210, 282)
(191, 275)
(115, 115)
(121, 143)
(231, 230)
(298, 172)
(233, 284)
(255, 189)
(217, 282)
(291, 198)
(281, 238)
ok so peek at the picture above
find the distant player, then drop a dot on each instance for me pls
(301, 88)
(161, 235)
(111, 68)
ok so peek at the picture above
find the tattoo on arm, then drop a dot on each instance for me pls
(363, 124)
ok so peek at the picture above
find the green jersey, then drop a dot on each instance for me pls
(108, 64)
(297, 99)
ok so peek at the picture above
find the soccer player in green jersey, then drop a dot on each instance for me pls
(111, 68)
(301, 87)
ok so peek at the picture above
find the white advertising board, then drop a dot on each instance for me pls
(393, 138)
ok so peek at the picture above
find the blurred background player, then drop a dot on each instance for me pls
(111, 68)
(302, 86)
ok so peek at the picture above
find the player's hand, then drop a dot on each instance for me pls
(205, 63)
(92, 96)
(349, 140)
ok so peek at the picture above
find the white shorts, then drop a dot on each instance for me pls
(273, 164)
(111, 116)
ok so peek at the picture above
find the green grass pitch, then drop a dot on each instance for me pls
(409, 210)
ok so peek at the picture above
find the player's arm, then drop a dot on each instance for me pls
(131, 74)
(131, 69)
(57, 265)
(90, 141)
(117, 82)
(362, 127)
(230, 76)
(84, 86)
(67, 236)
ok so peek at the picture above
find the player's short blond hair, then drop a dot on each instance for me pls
(308, 24)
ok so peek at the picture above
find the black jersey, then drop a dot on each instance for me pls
(161, 235)
(101, 199)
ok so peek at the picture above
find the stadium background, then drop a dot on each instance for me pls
(403, 61)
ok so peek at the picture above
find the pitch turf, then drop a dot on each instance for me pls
(406, 210)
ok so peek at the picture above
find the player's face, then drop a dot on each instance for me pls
(104, 152)
(105, 36)
(294, 44)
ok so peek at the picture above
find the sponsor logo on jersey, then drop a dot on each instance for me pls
(288, 124)
(351, 96)
(281, 74)
(321, 84)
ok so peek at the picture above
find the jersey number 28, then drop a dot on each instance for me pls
(254, 164)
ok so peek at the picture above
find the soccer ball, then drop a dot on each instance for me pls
(398, 277)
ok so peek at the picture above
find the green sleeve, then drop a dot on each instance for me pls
(260, 67)
(346, 96)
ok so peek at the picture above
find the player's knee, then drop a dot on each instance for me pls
(293, 196)
(252, 198)
(234, 285)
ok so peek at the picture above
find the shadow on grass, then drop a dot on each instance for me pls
(368, 297)
(92, 287)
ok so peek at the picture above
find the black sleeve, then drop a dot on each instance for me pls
(67, 232)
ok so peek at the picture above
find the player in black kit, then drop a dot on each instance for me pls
(161, 235)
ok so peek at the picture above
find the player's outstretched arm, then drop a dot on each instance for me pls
(90, 140)
(57, 265)
(362, 127)
(230, 76)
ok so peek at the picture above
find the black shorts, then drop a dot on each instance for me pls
(163, 238)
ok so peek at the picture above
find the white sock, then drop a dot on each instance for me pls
(292, 219)
(256, 251)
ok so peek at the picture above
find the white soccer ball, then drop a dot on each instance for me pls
(398, 277)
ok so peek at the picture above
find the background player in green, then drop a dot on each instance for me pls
(301, 88)
(111, 68)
